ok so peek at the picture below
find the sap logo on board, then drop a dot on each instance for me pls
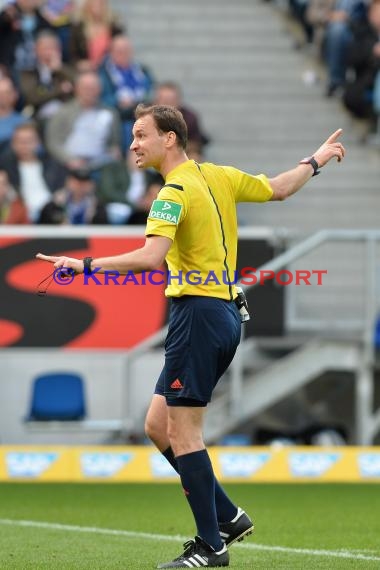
(369, 464)
(311, 464)
(103, 464)
(241, 464)
(29, 464)
(160, 466)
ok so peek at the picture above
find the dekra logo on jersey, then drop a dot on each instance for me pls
(166, 211)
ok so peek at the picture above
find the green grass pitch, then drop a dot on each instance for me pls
(304, 527)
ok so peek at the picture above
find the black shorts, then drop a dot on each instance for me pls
(203, 335)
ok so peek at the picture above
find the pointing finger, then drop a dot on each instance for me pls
(332, 138)
(49, 258)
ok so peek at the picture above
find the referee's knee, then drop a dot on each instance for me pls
(150, 427)
(155, 430)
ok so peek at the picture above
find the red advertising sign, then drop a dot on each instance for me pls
(78, 315)
(100, 312)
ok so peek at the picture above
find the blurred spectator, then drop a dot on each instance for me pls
(84, 133)
(9, 117)
(137, 180)
(50, 83)
(298, 9)
(93, 30)
(4, 71)
(59, 14)
(12, 209)
(337, 39)
(76, 203)
(84, 65)
(112, 183)
(125, 83)
(169, 93)
(20, 22)
(364, 60)
(317, 16)
(32, 173)
(153, 184)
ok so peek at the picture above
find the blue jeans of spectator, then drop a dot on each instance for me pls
(337, 38)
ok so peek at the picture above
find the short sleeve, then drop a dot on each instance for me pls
(248, 188)
(167, 212)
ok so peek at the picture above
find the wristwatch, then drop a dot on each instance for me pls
(311, 160)
(87, 265)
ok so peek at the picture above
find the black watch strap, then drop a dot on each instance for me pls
(87, 264)
(311, 160)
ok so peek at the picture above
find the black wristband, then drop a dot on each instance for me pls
(313, 163)
(87, 265)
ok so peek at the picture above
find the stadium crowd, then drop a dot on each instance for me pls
(69, 85)
(346, 34)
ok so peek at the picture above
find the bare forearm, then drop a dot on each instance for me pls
(136, 261)
(146, 258)
(289, 182)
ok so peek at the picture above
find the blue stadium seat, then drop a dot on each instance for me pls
(57, 396)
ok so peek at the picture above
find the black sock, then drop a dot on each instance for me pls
(198, 482)
(225, 509)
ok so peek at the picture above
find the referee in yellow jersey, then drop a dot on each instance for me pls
(193, 226)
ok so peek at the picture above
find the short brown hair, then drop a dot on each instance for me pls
(167, 119)
(27, 126)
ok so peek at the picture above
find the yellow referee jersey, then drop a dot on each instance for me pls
(197, 210)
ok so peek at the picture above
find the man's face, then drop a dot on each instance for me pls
(8, 94)
(79, 188)
(25, 143)
(88, 90)
(167, 96)
(47, 50)
(148, 144)
(121, 52)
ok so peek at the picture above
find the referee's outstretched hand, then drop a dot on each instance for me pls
(67, 262)
(329, 149)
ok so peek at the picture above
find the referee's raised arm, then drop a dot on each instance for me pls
(289, 182)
